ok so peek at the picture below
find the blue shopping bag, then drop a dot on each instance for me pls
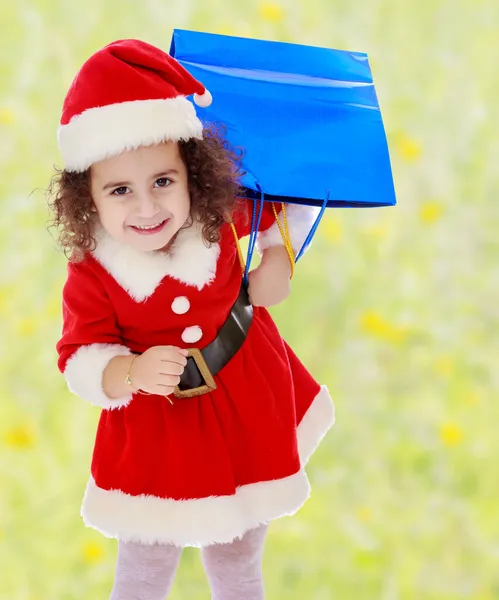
(307, 117)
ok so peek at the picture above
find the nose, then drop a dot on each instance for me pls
(147, 205)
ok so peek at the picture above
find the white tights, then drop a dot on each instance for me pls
(146, 572)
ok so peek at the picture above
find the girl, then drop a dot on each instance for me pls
(208, 417)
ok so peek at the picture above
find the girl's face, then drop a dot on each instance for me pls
(142, 196)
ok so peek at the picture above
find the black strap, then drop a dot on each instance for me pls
(228, 341)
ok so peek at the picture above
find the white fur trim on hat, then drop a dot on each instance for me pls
(105, 131)
(300, 220)
(84, 371)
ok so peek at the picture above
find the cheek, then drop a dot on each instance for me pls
(184, 203)
(110, 213)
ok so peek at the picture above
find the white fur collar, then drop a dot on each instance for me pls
(140, 273)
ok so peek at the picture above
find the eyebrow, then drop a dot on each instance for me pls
(117, 184)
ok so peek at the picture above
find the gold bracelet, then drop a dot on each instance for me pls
(128, 381)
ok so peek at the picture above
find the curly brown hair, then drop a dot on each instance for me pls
(213, 167)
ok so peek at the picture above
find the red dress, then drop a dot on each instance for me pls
(205, 469)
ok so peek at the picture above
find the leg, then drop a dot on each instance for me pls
(144, 572)
(235, 570)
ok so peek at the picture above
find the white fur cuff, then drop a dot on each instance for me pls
(84, 371)
(300, 221)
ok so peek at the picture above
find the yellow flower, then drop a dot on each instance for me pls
(408, 148)
(331, 229)
(376, 326)
(377, 231)
(451, 434)
(271, 12)
(6, 116)
(26, 327)
(444, 366)
(22, 436)
(364, 514)
(430, 211)
(92, 552)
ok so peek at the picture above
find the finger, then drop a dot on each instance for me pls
(181, 361)
(182, 351)
(172, 369)
(169, 380)
(175, 357)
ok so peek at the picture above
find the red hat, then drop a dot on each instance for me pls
(128, 94)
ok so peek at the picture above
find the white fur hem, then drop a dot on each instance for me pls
(300, 221)
(105, 131)
(217, 519)
(200, 522)
(84, 371)
(316, 422)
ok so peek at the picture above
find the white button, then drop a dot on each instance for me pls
(181, 305)
(192, 334)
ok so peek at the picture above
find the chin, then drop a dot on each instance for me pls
(155, 245)
(151, 243)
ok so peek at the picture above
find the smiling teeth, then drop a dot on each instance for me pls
(149, 226)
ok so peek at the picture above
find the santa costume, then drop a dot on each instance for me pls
(206, 468)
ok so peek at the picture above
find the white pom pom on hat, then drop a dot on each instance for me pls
(126, 95)
(203, 100)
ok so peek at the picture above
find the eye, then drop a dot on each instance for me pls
(121, 191)
(163, 182)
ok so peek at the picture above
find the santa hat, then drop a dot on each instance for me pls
(128, 94)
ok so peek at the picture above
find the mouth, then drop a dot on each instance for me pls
(149, 229)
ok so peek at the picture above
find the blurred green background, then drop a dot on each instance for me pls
(395, 309)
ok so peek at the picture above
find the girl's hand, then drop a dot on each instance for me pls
(158, 370)
(269, 283)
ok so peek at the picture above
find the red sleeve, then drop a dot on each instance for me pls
(88, 315)
(243, 214)
(300, 220)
